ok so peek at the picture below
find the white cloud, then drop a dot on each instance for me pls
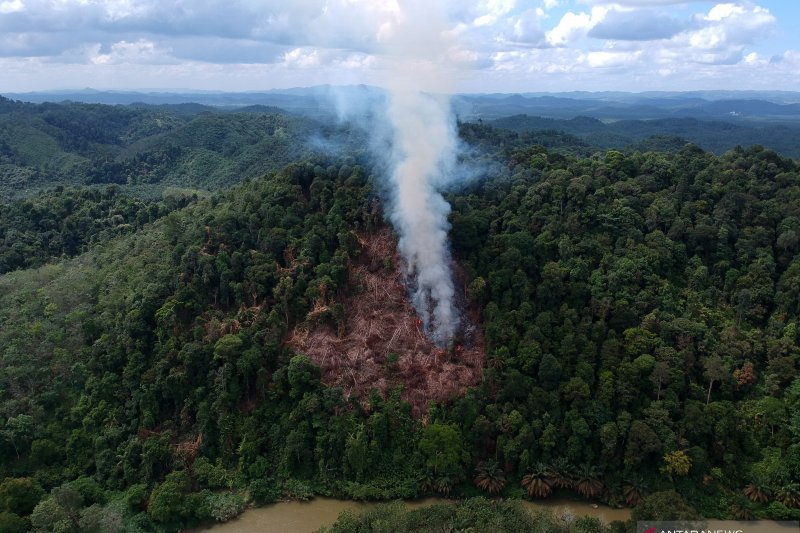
(752, 58)
(575, 26)
(606, 59)
(638, 25)
(639, 3)
(723, 11)
(11, 6)
(506, 42)
(302, 58)
(124, 52)
(723, 34)
(493, 10)
(525, 29)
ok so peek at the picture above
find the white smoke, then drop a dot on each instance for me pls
(413, 134)
(423, 144)
(423, 148)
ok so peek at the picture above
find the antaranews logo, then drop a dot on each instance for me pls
(718, 526)
(690, 529)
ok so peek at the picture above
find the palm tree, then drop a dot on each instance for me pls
(789, 495)
(757, 491)
(560, 474)
(587, 482)
(490, 477)
(633, 490)
(741, 508)
(536, 482)
(496, 361)
(428, 482)
(444, 484)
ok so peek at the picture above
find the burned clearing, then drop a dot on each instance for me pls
(380, 343)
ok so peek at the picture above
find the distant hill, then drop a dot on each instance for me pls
(716, 136)
(630, 107)
(780, 106)
(159, 140)
(148, 147)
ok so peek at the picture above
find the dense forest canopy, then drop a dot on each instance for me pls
(640, 313)
(146, 149)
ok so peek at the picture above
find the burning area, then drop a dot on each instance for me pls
(382, 343)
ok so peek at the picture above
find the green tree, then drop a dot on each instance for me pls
(715, 370)
(666, 505)
(442, 447)
(11, 523)
(357, 452)
(20, 495)
(18, 431)
(642, 441)
(101, 519)
(49, 516)
(303, 375)
(490, 477)
(676, 463)
(168, 502)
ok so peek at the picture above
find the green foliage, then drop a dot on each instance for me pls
(621, 314)
(135, 497)
(168, 501)
(20, 495)
(666, 505)
(632, 305)
(65, 222)
(295, 489)
(225, 506)
(11, 523)
(677, 464)
(656, 135)
(212, 476)
(263, 491)
(147, 149)
(101, 519)
(442, 447)
(49, 516)
(474, 514)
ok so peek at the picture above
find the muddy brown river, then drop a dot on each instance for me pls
(306, 517)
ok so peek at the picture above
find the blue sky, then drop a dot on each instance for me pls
(454, 45)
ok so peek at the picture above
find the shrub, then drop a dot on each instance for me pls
(297, 490)
(263, 491)
(225, 505)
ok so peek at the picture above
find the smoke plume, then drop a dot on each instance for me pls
(413, 136)
(422, 149)
(422, 145)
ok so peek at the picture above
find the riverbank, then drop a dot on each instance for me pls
(307, 517)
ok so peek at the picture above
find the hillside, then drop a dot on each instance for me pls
(638, 315)
(146, 149)
(378, 343)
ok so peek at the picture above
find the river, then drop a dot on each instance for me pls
(306, 517)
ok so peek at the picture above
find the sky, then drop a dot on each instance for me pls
(485, 45)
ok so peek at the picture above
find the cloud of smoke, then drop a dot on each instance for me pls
(423, 149)
(413, 135)
(423, 144)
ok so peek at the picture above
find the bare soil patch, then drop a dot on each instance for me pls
(381, 343)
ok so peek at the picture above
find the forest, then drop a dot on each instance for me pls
(638, 313)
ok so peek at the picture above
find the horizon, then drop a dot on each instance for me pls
(190, 91)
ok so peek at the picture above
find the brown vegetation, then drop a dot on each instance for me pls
(380, 343)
